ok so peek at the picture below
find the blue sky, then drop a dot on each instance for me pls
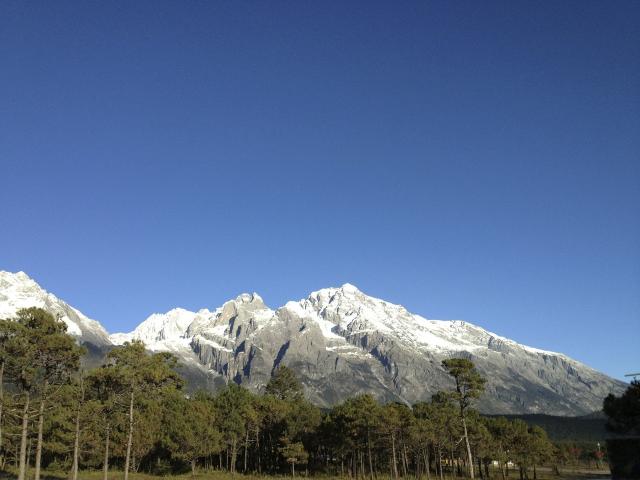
(469, 160)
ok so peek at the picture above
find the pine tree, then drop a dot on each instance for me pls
(623, 412)
(5, 333)
(233, 405)
(140, 373)
(365, 422)
(42, 356)
(539, 446)
(426, 432)
(284, 385)
(294, 454)
(105, 389)
(190, 426)
(468, 386)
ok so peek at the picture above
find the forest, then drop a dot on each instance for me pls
(134, 414)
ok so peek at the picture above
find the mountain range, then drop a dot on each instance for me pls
(340, 342)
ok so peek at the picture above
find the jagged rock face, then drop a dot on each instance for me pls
(342, 342)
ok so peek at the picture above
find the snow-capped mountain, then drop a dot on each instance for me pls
(18, 290)
(342, 342)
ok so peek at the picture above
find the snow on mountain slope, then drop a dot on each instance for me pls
(349, 309)
(341, 342)
(18, 290)
(159, 328)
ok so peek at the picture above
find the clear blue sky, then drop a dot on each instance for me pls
(469, 160)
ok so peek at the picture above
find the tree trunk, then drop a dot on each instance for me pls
(1, 407)
(258, 449)
(40, 429)
(234, 453)
(451, 462)
(466, 441)
(76, 447)
(76, 440)
(404, 460)
(354, 464)
(395, 462)
(105, 464)
(293, 469)
(29, 445)
(127, 460)
(193, 467)
(246, 447)
(427, 462)
(369, 454)
(22, 472)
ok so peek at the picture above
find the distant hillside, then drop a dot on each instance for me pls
(586, 428)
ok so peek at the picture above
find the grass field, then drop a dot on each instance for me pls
(543, 474)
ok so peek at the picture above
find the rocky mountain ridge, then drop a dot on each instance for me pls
(342, 342)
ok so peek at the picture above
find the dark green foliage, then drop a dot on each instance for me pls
(38, 358)
(294, 453)
(132, 414)
(624, 412)
(468, 382)
(624, 419)
(469, 385)
(589, 429)
(284, 385)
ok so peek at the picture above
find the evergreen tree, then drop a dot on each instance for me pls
(292, 419)
(396, 425)
(468, 386)
(105, 387)
(141, 373)
(423, 413)
(284, 385)
(191, 427)
(623, 412)
(233, 405)
(357, 423)
(502, 433)
(5, 334)
(539, 446)
(40, 356)
(294, 454)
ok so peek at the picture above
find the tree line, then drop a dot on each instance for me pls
(134, 414)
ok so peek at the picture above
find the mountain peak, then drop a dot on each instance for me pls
(159, 327)
(349, 287)
(345, 290)
(18, 291)
(249, 298)
(15, 278)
